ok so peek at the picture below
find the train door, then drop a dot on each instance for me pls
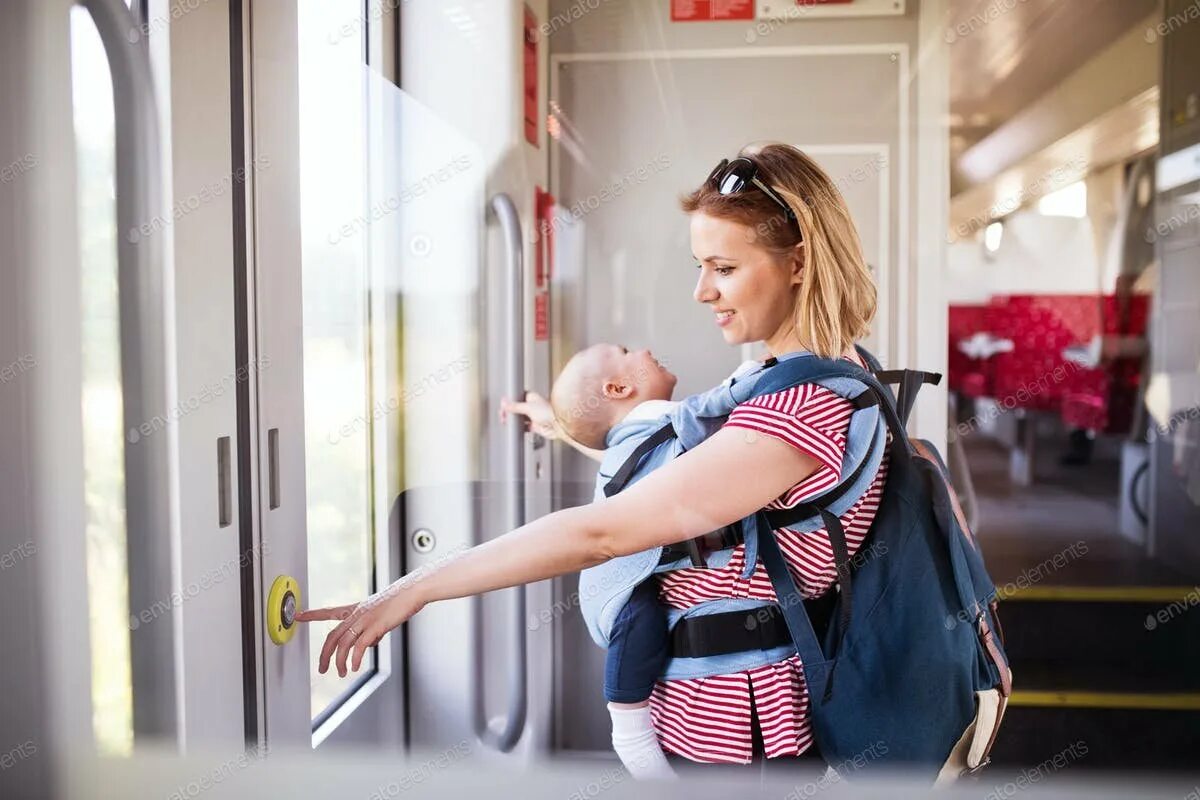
(391, 301)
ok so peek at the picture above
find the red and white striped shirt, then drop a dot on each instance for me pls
(708, 719)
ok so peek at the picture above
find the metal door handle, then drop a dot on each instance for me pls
(514, 724)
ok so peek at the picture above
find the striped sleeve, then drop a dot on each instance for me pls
(809, 417)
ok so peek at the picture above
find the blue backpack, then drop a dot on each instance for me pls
(904, 663)
(913, 657)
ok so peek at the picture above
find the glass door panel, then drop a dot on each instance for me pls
(103, 459)
(336, 300)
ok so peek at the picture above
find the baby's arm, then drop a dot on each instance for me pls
(593, 454)
(542, 422)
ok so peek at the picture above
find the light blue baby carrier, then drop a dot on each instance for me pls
(636, 448)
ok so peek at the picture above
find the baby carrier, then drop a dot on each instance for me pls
(903, 663)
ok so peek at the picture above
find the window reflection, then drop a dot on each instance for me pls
(337, 388)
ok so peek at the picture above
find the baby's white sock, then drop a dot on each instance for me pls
(636, 744)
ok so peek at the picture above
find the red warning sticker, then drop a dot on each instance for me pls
(541, 316)
(711, 10)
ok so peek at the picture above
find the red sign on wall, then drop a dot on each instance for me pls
(543, 261)
(541, 316)
(531, 77)
(711, 10)
(543, 236)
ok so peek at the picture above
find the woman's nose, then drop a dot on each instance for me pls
(704, 293)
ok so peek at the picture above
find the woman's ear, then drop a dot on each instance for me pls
(797, 263)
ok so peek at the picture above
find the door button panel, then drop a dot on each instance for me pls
(283, 602)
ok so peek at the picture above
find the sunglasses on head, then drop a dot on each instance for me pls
(731, 177)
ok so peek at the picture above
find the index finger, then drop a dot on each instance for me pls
(329, 612)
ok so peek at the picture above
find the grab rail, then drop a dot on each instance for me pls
(514, 437)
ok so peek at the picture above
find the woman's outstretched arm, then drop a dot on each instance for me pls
(732, 474)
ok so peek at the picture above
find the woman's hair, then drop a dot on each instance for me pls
(836, 299)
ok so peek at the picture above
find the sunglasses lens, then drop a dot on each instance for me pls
(736, 176)
(731, 184)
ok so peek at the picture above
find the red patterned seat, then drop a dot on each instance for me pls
(1103, 399)
(1036, 375)
(970, 376)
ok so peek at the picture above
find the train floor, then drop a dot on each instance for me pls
(1104, 642)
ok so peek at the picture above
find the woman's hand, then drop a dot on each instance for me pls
(363, 624)
(537, 409)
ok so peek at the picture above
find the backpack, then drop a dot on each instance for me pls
(911, 672)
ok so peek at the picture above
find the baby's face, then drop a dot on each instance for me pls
(650, 379)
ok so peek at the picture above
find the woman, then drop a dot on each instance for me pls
(779, 262)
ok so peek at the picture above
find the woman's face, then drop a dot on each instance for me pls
(750, 290)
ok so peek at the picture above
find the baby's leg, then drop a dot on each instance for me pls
(637, 652)
(636, 743)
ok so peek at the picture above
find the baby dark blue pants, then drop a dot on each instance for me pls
(637, 648)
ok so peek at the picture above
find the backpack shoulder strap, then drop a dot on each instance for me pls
(786, 374)
(817, 668)
(621, 479)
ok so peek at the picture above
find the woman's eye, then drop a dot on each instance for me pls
(723, 271)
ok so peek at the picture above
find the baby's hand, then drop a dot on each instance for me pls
(537, 409)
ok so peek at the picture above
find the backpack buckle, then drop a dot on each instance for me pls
(698, 548)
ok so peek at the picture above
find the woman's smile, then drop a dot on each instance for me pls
(724, 317)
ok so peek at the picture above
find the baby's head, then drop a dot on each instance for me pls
(600, 385)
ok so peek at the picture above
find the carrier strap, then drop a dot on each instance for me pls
(663, 434)
(737, 631)
(690, 548)
(697, 548)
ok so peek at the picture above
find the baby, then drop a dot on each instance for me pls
(607, 395)
(602, 385)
